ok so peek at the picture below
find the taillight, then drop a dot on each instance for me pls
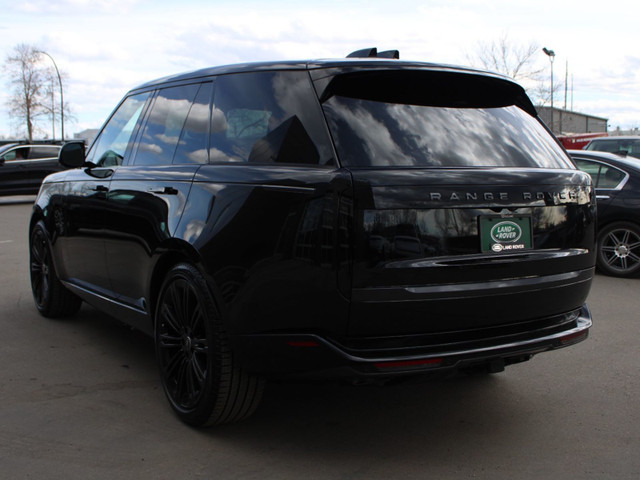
(574, 338)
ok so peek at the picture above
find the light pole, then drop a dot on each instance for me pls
(552, 55)
(61, 94)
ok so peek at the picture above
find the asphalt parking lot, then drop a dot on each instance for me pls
(81, 398)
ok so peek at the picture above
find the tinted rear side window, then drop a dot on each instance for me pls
(192, 147)
(268, 117)
(425, 119)
(163, 128)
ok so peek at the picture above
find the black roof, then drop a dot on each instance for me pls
(345, 64)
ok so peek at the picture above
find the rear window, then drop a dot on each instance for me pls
(435, 119)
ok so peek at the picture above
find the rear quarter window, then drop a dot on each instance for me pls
(268, 117)
(603, 176)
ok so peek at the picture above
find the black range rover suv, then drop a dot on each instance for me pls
(364, 219)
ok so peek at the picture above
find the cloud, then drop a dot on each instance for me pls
(109, 46)
(74, 7)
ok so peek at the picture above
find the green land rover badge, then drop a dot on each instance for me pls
(505, 234)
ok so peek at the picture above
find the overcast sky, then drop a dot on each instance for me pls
(106, 47)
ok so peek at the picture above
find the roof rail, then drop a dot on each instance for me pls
(373, 53)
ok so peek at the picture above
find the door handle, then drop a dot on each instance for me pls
(164, 191)
(100, 188)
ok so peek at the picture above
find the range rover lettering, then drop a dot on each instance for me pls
(366, 220)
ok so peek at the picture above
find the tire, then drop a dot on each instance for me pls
(52, 299)
(200, 378)
(619, 249)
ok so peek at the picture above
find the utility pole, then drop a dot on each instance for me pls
(566, 83)
(552, 55)
(61, 94)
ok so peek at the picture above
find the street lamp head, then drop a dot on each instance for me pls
(548, 52)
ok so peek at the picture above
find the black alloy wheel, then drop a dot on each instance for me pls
(199, 377)
(52, 299)
(619, 249)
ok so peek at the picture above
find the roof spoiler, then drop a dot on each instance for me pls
(373, 53)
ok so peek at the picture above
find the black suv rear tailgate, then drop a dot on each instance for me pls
(420, 265)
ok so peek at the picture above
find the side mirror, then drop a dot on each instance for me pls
(72, 155)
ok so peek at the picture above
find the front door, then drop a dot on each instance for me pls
(82, 206)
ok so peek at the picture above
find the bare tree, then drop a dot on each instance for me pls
(503, 56)
(520, 62)
(26, 82)
(30, 88)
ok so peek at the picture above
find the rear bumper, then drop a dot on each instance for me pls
(459, 305)
(380, 359)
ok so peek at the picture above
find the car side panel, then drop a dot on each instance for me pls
(274, 241)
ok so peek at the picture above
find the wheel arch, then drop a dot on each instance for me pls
(37, 215)
(174, 253)
(617, 219)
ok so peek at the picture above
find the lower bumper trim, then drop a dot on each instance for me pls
(311, 355)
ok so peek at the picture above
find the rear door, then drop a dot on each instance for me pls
(148, 193)
(467, 213)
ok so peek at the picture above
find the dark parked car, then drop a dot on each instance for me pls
(623, 145)
(24, 166)
(617, 182)
(367, 220)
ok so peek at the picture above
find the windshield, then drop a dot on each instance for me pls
(450, 125)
